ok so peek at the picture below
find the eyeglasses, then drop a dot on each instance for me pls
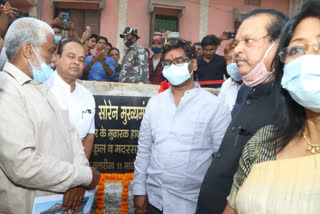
(293, 52)
(249, 42)
(176, 61)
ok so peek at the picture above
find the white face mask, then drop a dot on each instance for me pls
(177, 74)
(301, 78)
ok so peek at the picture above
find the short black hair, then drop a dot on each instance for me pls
(210, 40)
(102, 37)
(290, 116)
(61, 46)
(187, 46)
(57, 26)
(93, 36)
(113, 48)
(109, 44)
(276, 25)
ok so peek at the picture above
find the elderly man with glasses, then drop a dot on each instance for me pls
(256, 43)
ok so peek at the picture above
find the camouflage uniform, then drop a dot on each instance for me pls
(135, 67)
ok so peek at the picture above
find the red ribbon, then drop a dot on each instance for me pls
(212, 82)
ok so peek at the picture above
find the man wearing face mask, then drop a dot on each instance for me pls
(229, 89)
(181, 129)
(40, 151)
(256, 44)
(135, 62)
(156, 61)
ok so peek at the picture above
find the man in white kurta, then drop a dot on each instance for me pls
(181, 130)
(72, 96)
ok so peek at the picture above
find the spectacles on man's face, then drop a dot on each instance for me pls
(177, 61)
(293, 52)
(248, 41)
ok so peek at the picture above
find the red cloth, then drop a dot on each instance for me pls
(164, 85)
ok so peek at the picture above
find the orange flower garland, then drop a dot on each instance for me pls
(125, 179)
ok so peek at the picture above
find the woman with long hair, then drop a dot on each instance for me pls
(279, 170)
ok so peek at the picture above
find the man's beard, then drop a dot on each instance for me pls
(208, 56)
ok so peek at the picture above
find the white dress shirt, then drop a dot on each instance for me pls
(229, 91)
(80, 103)
(175, 148)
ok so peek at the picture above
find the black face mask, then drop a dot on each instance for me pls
(129, 42)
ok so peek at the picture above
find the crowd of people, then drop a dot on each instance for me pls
(254, 148)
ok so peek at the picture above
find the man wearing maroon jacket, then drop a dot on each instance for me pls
(155, 62)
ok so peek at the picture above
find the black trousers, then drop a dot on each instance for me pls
(152, 209)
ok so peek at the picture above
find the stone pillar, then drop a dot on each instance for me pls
(33, 11)
(122, 22)
(204, 13)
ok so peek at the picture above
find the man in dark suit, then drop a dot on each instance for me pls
(257, 41)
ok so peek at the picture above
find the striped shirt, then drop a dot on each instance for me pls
(258, 149)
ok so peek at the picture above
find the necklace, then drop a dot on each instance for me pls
(314, 148)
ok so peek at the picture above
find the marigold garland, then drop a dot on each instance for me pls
(125, 179)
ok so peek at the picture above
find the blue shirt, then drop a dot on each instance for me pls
(97, 71)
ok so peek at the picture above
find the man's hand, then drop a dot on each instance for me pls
(85, 36)
(95, 179)
(71, 25)
(72, 199)
(140, 204)
(58, 21)
(1, 44)
(224, 36)
(8, 10)
(100, 56)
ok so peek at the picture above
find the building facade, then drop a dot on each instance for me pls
(193, 19)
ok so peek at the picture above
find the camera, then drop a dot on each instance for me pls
(231, 35)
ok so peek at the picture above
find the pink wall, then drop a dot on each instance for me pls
(138, 16)
(221, 15)
(47, 12)
(189, 21)
(109, 21)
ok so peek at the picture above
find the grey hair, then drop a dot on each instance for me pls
(26, 30)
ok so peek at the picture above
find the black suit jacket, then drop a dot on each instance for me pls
(254, 113)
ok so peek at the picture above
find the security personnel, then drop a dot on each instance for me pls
(135, 67)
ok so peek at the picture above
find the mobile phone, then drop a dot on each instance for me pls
(89, 29)
(231, 35)
(65, 19)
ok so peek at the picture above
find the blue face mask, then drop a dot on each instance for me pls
(232, 70)
(42, 74)
(301, 78)
(156, 50)
(177, 74)
(57, 39)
